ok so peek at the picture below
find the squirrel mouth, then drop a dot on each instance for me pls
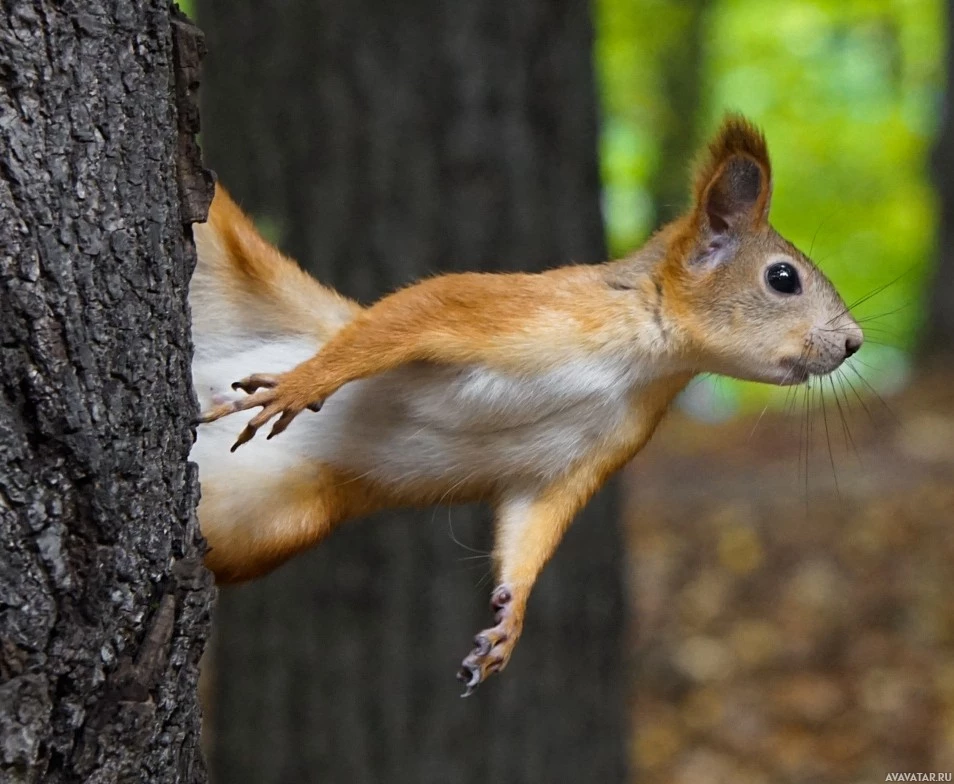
(796, 372)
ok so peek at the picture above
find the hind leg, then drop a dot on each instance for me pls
(253, 523)
(528, 532)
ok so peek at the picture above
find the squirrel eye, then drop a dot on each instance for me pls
(783, 278)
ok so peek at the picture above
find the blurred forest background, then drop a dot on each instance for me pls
(849, 95)
(788, 564)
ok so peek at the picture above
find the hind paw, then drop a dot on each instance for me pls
(493, 647)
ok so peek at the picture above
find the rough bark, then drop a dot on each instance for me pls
(379, 142)
(939, 338)
(103, 601)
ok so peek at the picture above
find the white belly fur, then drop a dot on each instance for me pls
(424, 422)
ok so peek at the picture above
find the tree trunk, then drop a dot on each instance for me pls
(379, 142)
(103, 600)
(683, 76)
(940, 327)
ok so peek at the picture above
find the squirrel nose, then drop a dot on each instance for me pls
(852, 344)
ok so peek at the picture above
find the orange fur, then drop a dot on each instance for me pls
(298, 511)
(269, 290)
(694, 299)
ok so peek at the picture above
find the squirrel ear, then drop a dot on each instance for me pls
(733, 184)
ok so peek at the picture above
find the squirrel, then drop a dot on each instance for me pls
(526, 391)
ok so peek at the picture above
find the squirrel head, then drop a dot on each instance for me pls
(750, 304)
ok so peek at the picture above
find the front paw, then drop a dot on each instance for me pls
(275, 397)
(493, 647)
(257, 381)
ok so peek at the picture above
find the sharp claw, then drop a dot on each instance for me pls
(251, 383)
(216, 412)
(492, 647)
(244, 437)
(316, 406)
(481, 645)
(282, 424)
(470, 677)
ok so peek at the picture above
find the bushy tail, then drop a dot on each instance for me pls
(245, 296)
(253, 311)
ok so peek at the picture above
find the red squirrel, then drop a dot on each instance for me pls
(526, 391)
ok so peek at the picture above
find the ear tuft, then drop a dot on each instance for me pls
(734, 174)
(736, 136)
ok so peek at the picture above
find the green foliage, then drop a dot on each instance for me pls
(847, 92)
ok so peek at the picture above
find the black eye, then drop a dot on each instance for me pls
(783, 278)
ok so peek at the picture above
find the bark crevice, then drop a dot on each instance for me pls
(101, 634)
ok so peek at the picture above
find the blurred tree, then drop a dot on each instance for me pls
(940, 332)
(104, 599)
(825, 80)
(683, 76)
(379, 142)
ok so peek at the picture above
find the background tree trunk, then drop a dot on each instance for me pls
(378, 142)
(103, 601)
(684, 76)
(940, 328)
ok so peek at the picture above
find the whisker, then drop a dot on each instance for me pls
(455, 540)
(843, 383)
(808, 442)
(874, 392)
(884, 335)
(831, 455)
(793, 392)
(869, 340)
(481, 557)
(846, 430)
(872, 293)
(876, 316)
(811, 246)
(759, 419)
(861, 400)
(885, 343)
(791, 403)
(485, 579)
(868, 329)
(450, 522)
(866, 364)
(787, 376)
(796, 404)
